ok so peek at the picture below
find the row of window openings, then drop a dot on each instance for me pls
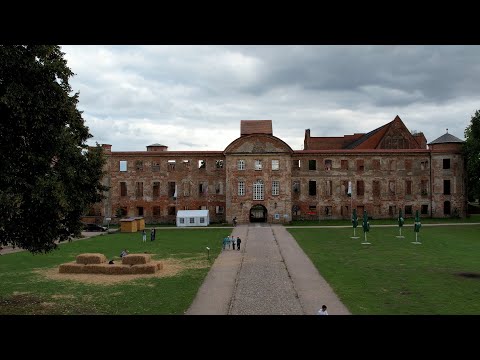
(171, 210)
(171, 165)
(312, 164)
(344, 210)
(312, 187)
(171, 188)
(202, 164)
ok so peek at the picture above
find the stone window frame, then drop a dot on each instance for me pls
(275, 165)
(275, 187)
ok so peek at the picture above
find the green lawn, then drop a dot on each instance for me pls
(25, 291)
(393, 276)
(474, 218)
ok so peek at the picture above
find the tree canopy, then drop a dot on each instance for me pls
(472, 156)
(49, 176)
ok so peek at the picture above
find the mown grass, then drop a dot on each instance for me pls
(393, 276)
(25, 291)
(474, 218)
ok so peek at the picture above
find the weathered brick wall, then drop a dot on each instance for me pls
(187, 176)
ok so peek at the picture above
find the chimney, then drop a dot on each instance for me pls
(107, 148)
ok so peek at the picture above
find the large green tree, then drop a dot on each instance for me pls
(49, 176)
(472, 156)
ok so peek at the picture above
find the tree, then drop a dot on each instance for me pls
(471, 150)
(48, 175)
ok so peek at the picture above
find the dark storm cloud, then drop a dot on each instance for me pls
(193, 97)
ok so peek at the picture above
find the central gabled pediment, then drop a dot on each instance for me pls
(258, 144)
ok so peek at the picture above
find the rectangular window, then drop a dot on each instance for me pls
(182, 220)
(376, 188)
(171, 165)
(202, 164)
(328, 188)
(123, 165)
(171, 189)
(393, 165)
(360, 165)
(241, 188)
(296, 187)
(424, 210)
(408, 187)
(296, 164)
(156, 166)
(219, 164)
(139, 189)
(424, 187)
(328, 165)
(219, 209)
(192, 220)
(345, 187)
(391, 187)
(312, 164)
(186, 164)
(424, 165)
(360, 188)
(156, 189)
(186, 188)
(408, 165)
(376, 164)
(275, 165)
(201, 189)
(328, 211)
(275, 187)
(344, 164)
(446, 163)
(446, 187)
(241, 164)
(123, 211)
(139, 165)
(123, 189)
(140, 210)
(156, 211)
(312, 187)
(408, 209)
(219, 188)
(392, 211)
(202, 220)
(171, 210)
(258, 190)
(258, 164)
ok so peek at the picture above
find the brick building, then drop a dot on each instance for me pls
(258, 177)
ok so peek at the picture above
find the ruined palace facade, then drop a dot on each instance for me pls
(259, 177)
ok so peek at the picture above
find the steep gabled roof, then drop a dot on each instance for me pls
(374, 137)
(248, 127)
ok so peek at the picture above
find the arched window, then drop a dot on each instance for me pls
(258, 190)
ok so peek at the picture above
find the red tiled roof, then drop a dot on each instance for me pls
(248, 127)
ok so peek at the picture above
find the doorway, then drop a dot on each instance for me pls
(258, 213)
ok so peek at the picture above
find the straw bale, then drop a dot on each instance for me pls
(117, 269)
(71, 268)
(136, 259)
(143, 269)
(95, 268)
(91, 258)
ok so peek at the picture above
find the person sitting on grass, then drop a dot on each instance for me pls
(124, 253)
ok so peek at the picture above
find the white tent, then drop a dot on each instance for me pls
(192, 218)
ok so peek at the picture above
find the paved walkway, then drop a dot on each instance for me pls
(271, 275)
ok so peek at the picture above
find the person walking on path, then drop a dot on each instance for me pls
(144, 236)
(232, 242)
(238, 242)
(225, 242)
(323, 310)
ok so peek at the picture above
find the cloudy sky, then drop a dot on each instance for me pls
(193, 97)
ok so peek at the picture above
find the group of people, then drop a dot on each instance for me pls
(152, 235)
(230, 241)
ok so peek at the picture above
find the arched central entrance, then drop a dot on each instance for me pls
(258, 213)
